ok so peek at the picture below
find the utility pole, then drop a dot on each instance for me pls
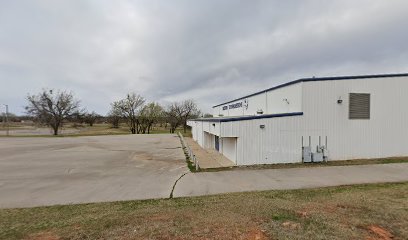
(7, 122)
(3, 119)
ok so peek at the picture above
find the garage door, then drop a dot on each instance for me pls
(229, 148)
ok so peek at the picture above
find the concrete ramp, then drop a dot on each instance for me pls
(208, 158)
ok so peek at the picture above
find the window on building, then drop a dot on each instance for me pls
(359, 106)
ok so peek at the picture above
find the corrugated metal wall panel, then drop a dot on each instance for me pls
(211, 127)
(271, 144)
(385, 134)
(282, 100)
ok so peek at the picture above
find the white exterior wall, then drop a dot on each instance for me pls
(229, 148)
(197, 131)
(282, 100)
(276, 143)
(285, 100)
(255, 103)
(209, 141)
(204, 132)
(211, 127)
(385, 134)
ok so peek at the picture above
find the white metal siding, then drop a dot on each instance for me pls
(209, 141)
(282, 100)
(385, 134)
(255, 103)
(197, 131)
(285, 100)
(278, 142)
(212, 127)
(229, 148)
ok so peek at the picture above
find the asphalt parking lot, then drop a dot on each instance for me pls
(39, 171)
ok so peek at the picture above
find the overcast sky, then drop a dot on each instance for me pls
(208, 50)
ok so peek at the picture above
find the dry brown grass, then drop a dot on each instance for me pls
(306, 165)
(378, 211)
(79, 130)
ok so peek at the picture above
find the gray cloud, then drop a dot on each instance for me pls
(207, 50)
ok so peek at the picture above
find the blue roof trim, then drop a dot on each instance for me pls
(243, 118)
(315, 80)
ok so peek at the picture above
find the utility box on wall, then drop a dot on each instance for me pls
(307, 154)
(317, 157)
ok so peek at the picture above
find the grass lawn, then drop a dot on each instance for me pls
(105, 129)
(378, 211)
(98, 129)
(306, 165)
(11, 126)
(85, 130)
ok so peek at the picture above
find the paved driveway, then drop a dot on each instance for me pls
(40, 171)
(293, 178)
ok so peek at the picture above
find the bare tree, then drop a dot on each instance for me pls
(150, 114)
(77, 117)
(90, 118)
(190, 110)
(129, 109)
(179, 112)
(174, 115)
(114, 115)
(52, 107)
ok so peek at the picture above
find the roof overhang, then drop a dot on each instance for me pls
(318, 79)
(245, 118)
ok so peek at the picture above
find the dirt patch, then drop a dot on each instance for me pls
(303, 213)
(380, 233)
(43, 236)
(290, 225)
(309, 209)
(256, 234)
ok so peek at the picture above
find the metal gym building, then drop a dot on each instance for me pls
(312, 120)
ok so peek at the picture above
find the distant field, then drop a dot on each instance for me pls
(28, 130)
(378, 211)
(16, 125)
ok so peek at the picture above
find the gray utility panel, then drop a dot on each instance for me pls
(317, 157)
(307, 154)
(320, 155)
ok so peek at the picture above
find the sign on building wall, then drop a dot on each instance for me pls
(245, 105)
(241, 104)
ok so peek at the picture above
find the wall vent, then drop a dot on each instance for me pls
(359, 106)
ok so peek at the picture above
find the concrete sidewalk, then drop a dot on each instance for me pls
(208, 158)
(207, 183)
